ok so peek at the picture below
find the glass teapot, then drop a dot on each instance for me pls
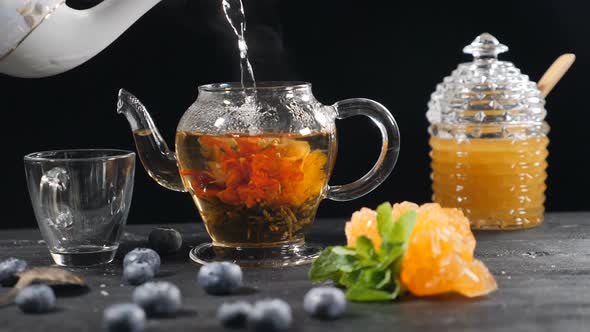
(257, 161)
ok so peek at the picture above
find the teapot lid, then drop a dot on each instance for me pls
(486, 91)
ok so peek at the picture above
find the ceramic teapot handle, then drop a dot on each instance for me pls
(389, 147)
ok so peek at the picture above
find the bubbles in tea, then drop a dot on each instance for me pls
(256, 190)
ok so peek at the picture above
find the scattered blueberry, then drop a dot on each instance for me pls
(325, 302)
(234, 315)
(35, 299)
(158, 298)
(143, 255)
(124, 317)
(270, 316)
(8, 270)
(165, 240)
(220, 278)
(137, 273)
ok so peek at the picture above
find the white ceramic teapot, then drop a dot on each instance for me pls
(40, 38)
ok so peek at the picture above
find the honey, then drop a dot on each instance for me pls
(488, 139)
(497, 183)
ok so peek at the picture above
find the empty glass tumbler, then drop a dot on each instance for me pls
(81, 200)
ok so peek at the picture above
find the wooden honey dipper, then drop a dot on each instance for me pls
(555, 72)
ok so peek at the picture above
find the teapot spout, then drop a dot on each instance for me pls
(156, 157)
(45, 38)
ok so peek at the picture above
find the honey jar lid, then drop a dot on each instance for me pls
(486, 97)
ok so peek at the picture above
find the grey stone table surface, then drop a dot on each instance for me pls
(543, 276)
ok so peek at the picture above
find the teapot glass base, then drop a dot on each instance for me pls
(282, 256)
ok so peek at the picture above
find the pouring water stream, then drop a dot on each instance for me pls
(234, 13)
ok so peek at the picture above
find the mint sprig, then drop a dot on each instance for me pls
(367, 273)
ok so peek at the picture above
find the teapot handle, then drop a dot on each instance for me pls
(389, 148)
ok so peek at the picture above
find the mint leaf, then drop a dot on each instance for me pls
(385, 281)
(373, 278)
(365, 248)
(343, 251)
(385, 222)
(396, 268)
(396, 241)
(349, 279)
(403, 227)
(394, 232)
(364, 263)
(397, 290)
(390, 251)
(329, 264)
(368, 273)
(367, 295)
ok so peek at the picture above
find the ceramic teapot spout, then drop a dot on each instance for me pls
(40, 38)
(157, 159)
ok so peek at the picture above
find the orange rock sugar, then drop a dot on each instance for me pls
(439, 256)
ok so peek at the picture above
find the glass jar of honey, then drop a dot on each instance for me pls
(489, 141)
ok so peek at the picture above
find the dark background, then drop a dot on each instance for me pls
(392, 51)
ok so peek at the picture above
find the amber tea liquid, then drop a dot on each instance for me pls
(498, 183)
(255, 190)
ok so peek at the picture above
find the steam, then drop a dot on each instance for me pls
(205, 21)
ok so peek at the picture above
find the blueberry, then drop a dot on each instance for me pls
(220, 278)
(8, 270)
(270, 316)
(158, 299)
(136, 273)
(324, 302)
(35, 299)
(235, 314)
(143, 255)
(165, 240)
(124, 317)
